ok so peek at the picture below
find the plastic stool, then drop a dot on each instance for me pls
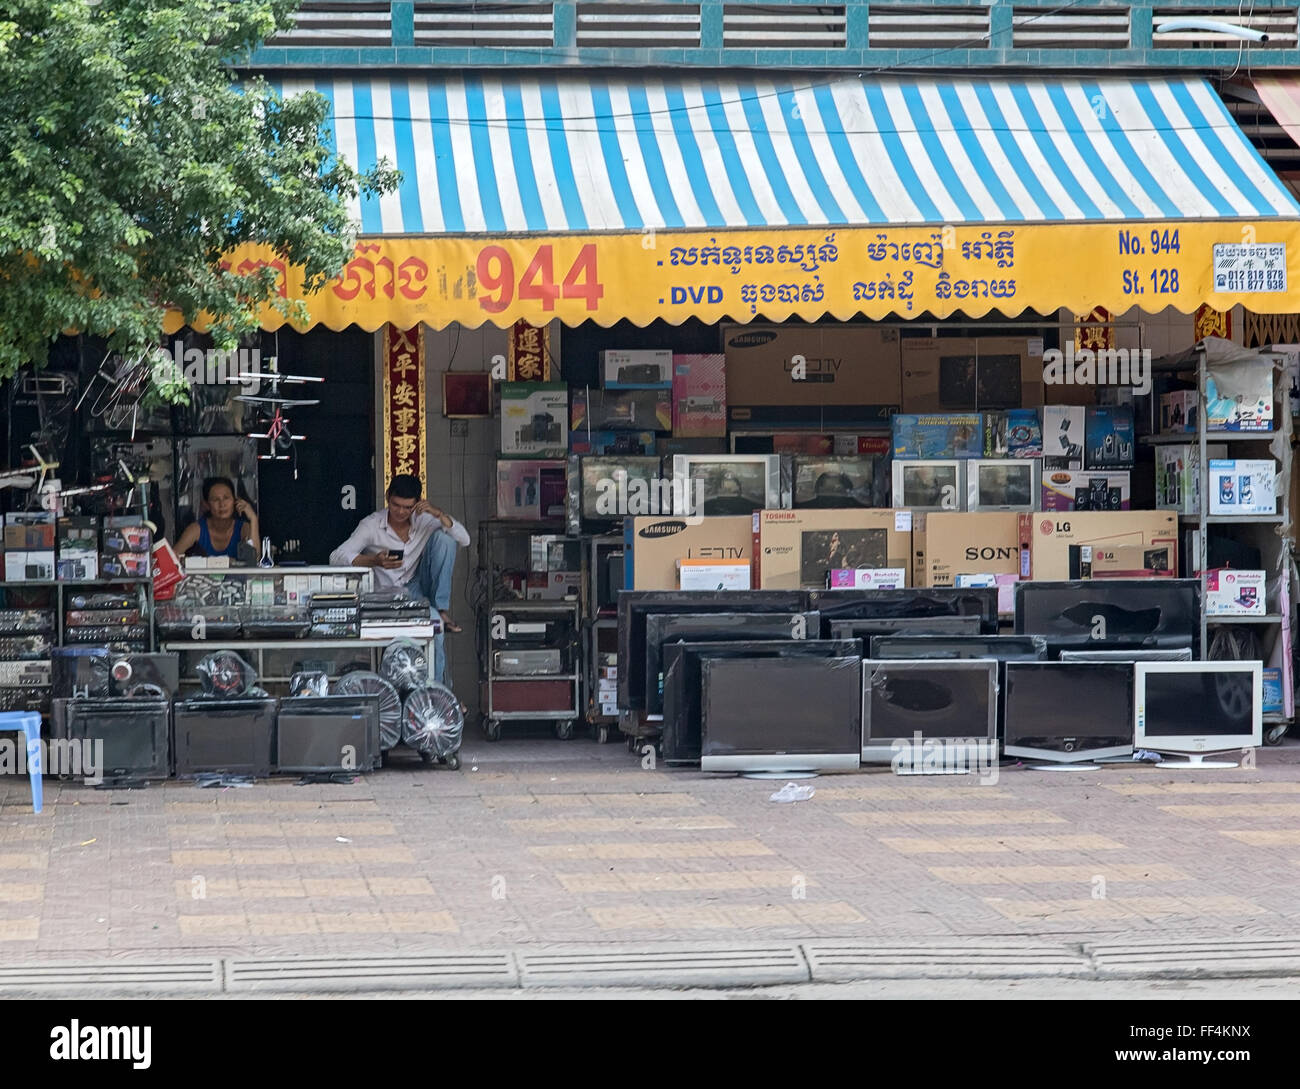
(29, 724)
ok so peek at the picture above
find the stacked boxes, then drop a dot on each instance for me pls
(78, 556)
(126, 548)
(29, 546)
(607, 684)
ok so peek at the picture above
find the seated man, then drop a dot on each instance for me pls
(425, 537)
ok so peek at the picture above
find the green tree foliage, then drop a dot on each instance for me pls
(133, 156)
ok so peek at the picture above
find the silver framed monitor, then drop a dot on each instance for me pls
(1003, 484)
(930, 485)
(945, 711)
(712, 484)
(1068, 712)
(1194, 708)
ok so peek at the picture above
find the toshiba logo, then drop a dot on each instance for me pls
(780, 516)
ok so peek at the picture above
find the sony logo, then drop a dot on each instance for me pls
(988, 553)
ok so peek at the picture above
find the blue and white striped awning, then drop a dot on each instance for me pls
(489, 154)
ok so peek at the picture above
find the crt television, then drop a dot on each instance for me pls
(839, 482)
(996, 484)
(949, 702)
(709, 484)
(680, 736)
(1117, 613)
(930, 485)
(1198, 707)
(635, 605)
(758, 717)
(1068, 712)
(612, 487)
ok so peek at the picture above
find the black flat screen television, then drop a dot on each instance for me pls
(684, 627)
(942, 701)
(1005, 648)
(933, 625)
(135, 732)
(635, 605)
(1067, 712)
(234, 737)
(680, 739)
(327, 733)
(1112, 613)
(908, 603)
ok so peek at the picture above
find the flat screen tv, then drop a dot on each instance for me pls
(933, 625)
(680, 738)
(327, 734)
(1112, 614)
(615, 487)
(952, 704)
(710, 484)
(758, 716)
(681, 627)
(1068, 712)
(635, 605)
(1005, 648)
(929, 485)
(994, 484)
(1179, 654)
(838, 482)
(136, 735)
(233, 737)
(1197, 708)
(913, 603)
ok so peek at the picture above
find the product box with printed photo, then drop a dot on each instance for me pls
(637, 369)
(1229, 592)
(534, 419)
(798, 548)
(1243, 487)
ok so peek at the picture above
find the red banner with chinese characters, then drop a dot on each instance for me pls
(1093, 330)
(403, 407)
(530, 353)
(1212, 323)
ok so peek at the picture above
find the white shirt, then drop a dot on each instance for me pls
(374, 534)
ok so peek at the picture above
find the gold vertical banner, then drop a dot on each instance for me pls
(1093, 330)
(404, 403)
(1212, 323)
(530, 353)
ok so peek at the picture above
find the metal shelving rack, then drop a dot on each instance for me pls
(598, 630)
(1274, 444)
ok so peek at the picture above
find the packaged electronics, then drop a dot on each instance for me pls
(621, 410)
(432, 721)
(1229, 592)
(1002, 484)
(1063, 427)
(531, 490)
(1108, 437)
(364, 683)
(534, 419)
(1013, 433)
(29, 566)
(699, 396)
(1178, 410)
(1239, 394)
(637, 369)
(866, 578)
(29, 531)
(937, 436)
(125, 565)
(946, 545)
(713, 575)
(1093, 490)
(1238, 486)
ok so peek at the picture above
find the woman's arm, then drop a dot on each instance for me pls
(188, 539)
(252, 532)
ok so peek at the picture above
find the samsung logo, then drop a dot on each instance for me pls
(751, 340)
(661, 529)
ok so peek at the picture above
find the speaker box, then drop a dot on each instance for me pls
(232, 737)
(126, 671)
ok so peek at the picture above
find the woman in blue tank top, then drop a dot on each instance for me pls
(225, 522)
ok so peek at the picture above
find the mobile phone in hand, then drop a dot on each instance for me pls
(396, 553)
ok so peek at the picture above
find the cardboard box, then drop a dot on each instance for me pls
(948, 544)
(132, 536)
(700, 395)
(1048, 536)
(954, 374)
(796, 548)
(1238, 486)
(1099, 490)
(1272, 700)
(127, 565)
(630, 443)
(621, 410)
(668, 445)
(1063, 436)
(531, 489)
(1121, 562)
(1014, 433)
(30, 565)
(1178, 475)
(1005, 585)
(1179, 410)
(553, 585)
(842, 365)
(1239, 395)
(654, 545)
(1108, 437)
(695, 574)
(534, 418)
(78, 534)
(1229, 592)
(29, 531)
(77, 566)
(637, 369)
(946, 435)
(868, 578)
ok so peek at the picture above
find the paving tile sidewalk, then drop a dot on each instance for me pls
(540, 842)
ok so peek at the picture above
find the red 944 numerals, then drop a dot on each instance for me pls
(498, 286)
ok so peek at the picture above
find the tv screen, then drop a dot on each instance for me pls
(837, 482)
(1002, 485)
(327, 733)
(934, 625)
(135, 733)
(728, 483)
(1005, 648)
(1133, 613)
(1199, 699)
(757, 714)
(929, 485)
(1181, 654)
(613, 487)
(682, 627)
(1056, 710)
(233, 736)
(908, 603)
(944, 700)
(681, 726)
(635, 605)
